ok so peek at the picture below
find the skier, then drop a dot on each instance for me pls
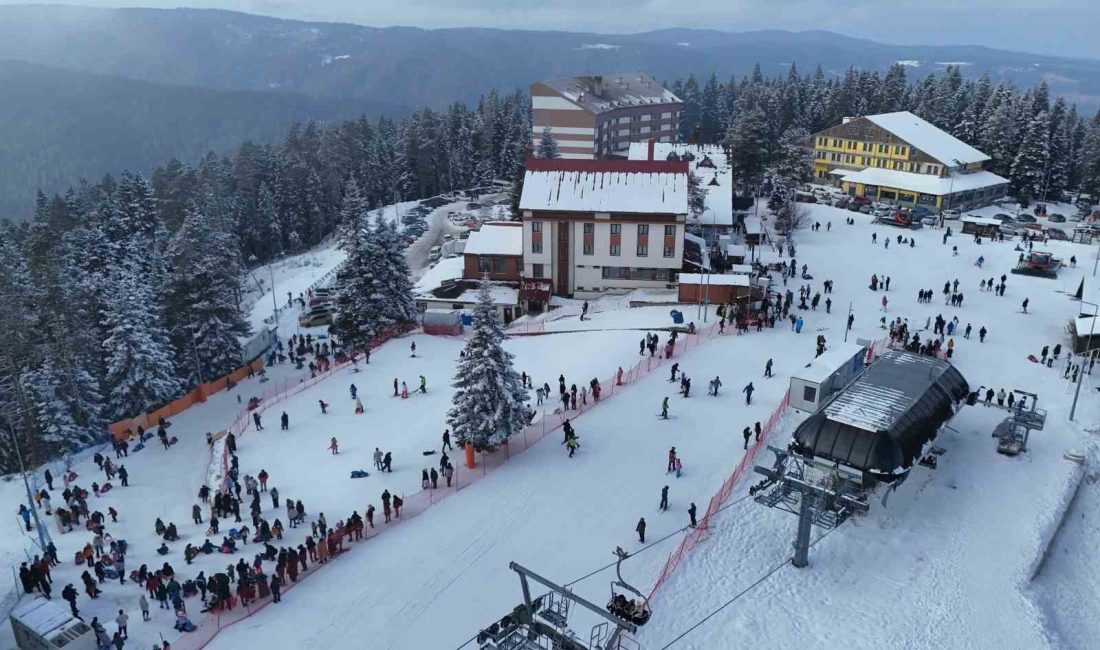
(664, 498)
(1024, 305)
(334, 447)
(747, 390)
(691, 514)
(324, 407)
(768, 368)
(423, 384)
(572, 445)
(664, 412)
(353, 391)
(284, 419)
(412, 348)
(675, 368)
(640, 529)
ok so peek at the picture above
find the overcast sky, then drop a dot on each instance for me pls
(1060, 27)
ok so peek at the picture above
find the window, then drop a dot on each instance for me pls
(665, 116)
(589, 236)
(536, 226)
(809, 394)
(500, 265)
(670, 231)
(536, 271)
(616, 229)
(615, 250)
(644, 129)
(643, 249)
(484, 265)
(647, 117)
(624, 132)
(616, 244)
(643, 229)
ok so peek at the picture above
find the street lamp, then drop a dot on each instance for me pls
(1081, 373)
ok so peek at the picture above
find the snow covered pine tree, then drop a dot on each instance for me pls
(488, 404)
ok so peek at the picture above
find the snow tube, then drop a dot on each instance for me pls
(147, 435)
(359, 473)
(106, 487)
(173, 440)
(138, 447)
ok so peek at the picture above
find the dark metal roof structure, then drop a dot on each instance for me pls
(881, 422)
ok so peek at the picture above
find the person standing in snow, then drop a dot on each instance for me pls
(358, 406)
(572, 444)
(285, 421)
(446, 440)
(757, 430)
(981, 334)
(691, 514)
(746, 433)
(423, 384)
(334, 447)
(412, 348)
(664, 499)
(640, 529)
(378, 459)
(664, 408)
(671, 460)
(256, 421)
(747, 390)
(353, 390)
(395, 387)
(675, 367)
(1025, 303)
(715, 384)
(324, 406)
(768, 368)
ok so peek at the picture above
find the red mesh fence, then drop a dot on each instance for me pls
(721, 496)
(415, 504)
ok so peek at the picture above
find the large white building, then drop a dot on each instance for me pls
(593, 226)
(711, 165)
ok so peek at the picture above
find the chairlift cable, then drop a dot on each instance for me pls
(744, 591)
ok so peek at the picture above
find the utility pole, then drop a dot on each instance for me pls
(20, 410)
(846, 327)
(274, 301)
(1081, 373)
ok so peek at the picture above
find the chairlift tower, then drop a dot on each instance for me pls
(819, 494)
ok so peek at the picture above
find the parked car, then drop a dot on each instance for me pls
(1056, 233)
(881, 212)
(806, 197)
(929, 221)
(1057, 218)
(881, 205)
(1012, 229)
(1002, 217)
(315, 317)
(435, 254)
(952, 214)
(841, 202)
(321, 300)
(854, 206)
(866, 208)
(1025, 218)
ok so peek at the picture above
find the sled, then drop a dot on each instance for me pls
(1032, 358)
(78, 558)
(359, 473)
(138, 447)
(173, 440)
(106, 487)
(146, 436)
(185, 626)
(430, 452)
(110, 572)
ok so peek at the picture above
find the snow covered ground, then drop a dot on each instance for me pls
(956, 548)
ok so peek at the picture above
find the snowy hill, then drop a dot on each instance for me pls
(956, 547)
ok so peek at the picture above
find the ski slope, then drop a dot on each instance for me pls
(956, 547)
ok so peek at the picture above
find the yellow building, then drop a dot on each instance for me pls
(902, 159)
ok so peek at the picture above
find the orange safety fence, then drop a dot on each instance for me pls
(180, 404)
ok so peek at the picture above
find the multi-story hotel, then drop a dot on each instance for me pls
(599, 116)
(591, 226)
(901, 158)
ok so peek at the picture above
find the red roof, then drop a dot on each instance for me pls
(627, 166)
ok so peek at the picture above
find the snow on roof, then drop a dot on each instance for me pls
(886, 391)
(715, 279)
(983, 221)
(821, 368)
(709, 164)
(753, 225)
(501, 296)
(496, 239)
(611, 91)
(603, 189)
(42, 616)
(736, 250)
(740, 269)
(933, 141)
(1085, 324)
(925, 183)
(448, 269)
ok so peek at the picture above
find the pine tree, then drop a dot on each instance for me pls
(1029, 170)
(548, 145)
(488, 405)
(204, 317)
(140, 366)
(793, 164)
(747, 139)
(393, 277)
(697, 196)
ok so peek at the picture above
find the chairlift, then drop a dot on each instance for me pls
(636, 611)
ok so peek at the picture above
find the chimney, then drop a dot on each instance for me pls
(651, 147)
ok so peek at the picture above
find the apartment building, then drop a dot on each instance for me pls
(598, 116)
(903, 159)
(593, 226)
